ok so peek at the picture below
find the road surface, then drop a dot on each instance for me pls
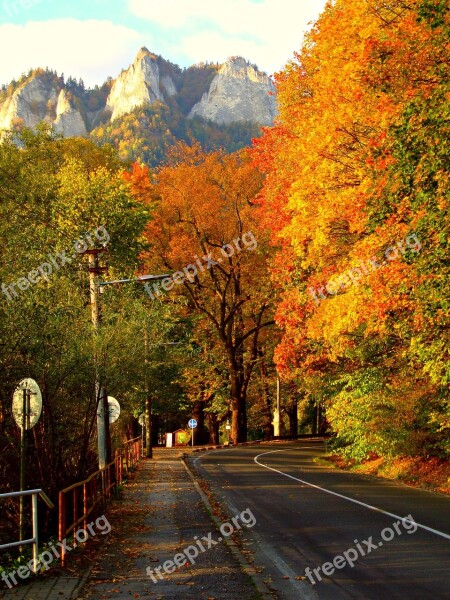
(359, 537)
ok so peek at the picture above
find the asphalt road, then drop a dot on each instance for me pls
(308, 515)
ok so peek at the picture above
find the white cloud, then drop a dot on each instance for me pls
(219, 48)
(271, 29)
(90, 49)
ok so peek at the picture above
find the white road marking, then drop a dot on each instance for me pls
(369, 506)
(303, 591)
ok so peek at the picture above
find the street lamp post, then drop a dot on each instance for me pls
(148, 400)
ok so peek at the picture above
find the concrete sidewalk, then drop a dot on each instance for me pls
(159, 516)
(47, 588)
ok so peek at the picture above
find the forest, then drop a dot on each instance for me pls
(319, 256)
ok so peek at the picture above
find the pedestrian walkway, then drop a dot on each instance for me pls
(160, 514)
(47, 588)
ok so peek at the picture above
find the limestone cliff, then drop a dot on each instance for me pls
(239, 92)
(69, 121)
(235, 92)
(139, 85)
(31, 103)
(41, 98)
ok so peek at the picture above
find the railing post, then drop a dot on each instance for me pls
(117, 470)
(62, 524)
(103, 489)
(34, 511)
(75, 514)
(85, 504)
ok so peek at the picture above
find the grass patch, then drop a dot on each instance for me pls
(426, 473)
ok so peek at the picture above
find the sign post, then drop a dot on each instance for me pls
(192, 425)
(26, 409)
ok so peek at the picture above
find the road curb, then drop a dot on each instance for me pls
(82, 583)
(257, 579)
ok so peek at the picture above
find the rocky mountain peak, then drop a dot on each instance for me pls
(234, 92)
(69, 121)
(239, 68)
(239, 92)
(139, 85)
(143, 53)
(33, 101)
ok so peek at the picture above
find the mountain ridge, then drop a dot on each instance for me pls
(150, 78)
(148, 106)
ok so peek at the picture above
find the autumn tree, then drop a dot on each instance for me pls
(356, 193)
(205, 231)
(56, 194)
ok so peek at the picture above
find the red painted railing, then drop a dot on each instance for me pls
(132, 453)
(85, 499)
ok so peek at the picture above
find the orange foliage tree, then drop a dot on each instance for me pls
(357, 134)
(205, 232)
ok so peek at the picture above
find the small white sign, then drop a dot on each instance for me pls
(32, 405)
(114, 409)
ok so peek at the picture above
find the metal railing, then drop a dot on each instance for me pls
(84, 498)
(131, 453)
(34, 512)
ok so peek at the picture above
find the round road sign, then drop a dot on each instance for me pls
(31, 401)
(113, 409)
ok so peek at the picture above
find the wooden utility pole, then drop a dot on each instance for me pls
(278, 429)
(103, 434)
(148, 404)
(104, 438)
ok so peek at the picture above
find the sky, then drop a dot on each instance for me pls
(94, 39)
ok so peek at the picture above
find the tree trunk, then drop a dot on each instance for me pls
(238, 398)
(292, 412)
(213, 426)
(155, 430)
(200, 436)
(238, 420)
(267, 423)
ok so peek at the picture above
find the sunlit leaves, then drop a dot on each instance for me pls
(357, 184)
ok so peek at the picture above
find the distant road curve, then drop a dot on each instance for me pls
(348, 535)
